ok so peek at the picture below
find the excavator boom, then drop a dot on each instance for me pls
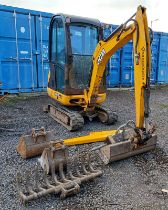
(138, 31)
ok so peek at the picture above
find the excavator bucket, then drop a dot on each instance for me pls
(125, 144)
(65, 178)
(34, 144)
(118, 150)
(52, 156)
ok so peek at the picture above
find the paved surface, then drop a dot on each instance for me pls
(134, 183)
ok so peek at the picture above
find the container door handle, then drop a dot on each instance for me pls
(45, 60)
(128, 67)
(27, 59)
(11, 58)
(36, 52)
(164, 62)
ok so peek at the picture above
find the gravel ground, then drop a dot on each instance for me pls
(134, 183)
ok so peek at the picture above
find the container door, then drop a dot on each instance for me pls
(17, 42)
(113, 78)
(42, 34)
(163, 60)
(127, 71)
(8, 53)
(26, 51)
(154, 56)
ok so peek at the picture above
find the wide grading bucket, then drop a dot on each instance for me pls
(34, 144)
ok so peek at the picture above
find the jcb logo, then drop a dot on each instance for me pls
(103, 52)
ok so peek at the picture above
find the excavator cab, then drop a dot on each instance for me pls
(72, 42)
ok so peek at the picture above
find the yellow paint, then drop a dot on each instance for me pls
(92, 137)
(65, 99)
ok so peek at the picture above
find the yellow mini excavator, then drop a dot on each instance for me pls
(129, 139)
(72, 41)
(136, 29)
(133, 137)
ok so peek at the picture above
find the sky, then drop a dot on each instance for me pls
(108, 11)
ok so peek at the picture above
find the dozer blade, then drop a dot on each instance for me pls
(64, 182)
(34, 144)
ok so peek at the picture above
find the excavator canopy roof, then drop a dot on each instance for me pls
(79, 19)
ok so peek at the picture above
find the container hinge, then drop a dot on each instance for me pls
(31, 50)
(41, 44)
(17, 51)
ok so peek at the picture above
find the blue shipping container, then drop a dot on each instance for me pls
(113, 78)
(24, 53)
(162, 74)
(127, 62)
(24, 50)
(127, 71)
(154, 56)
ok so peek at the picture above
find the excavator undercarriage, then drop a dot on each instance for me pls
(74, 120)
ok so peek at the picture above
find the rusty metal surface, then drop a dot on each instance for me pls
(64, 182)
(57, 152)
(106, 115)
(129, 142)
(34, 144)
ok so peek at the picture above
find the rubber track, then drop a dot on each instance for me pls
(75, 120)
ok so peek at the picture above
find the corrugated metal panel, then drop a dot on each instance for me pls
(154, 56)
(162, 75)
(42, 33)
(106, 31)
(113, 78)
(20, 53)
(127, 71)
(127, 68)
(114, 70)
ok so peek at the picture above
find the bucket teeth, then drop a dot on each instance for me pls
(54, 176)
(64, 182)
(37, 184)
(61, 173)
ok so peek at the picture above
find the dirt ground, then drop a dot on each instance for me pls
(134, 183)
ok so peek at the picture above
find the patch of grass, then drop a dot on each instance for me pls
(10, 100)
(163, 106)
(160, 87)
